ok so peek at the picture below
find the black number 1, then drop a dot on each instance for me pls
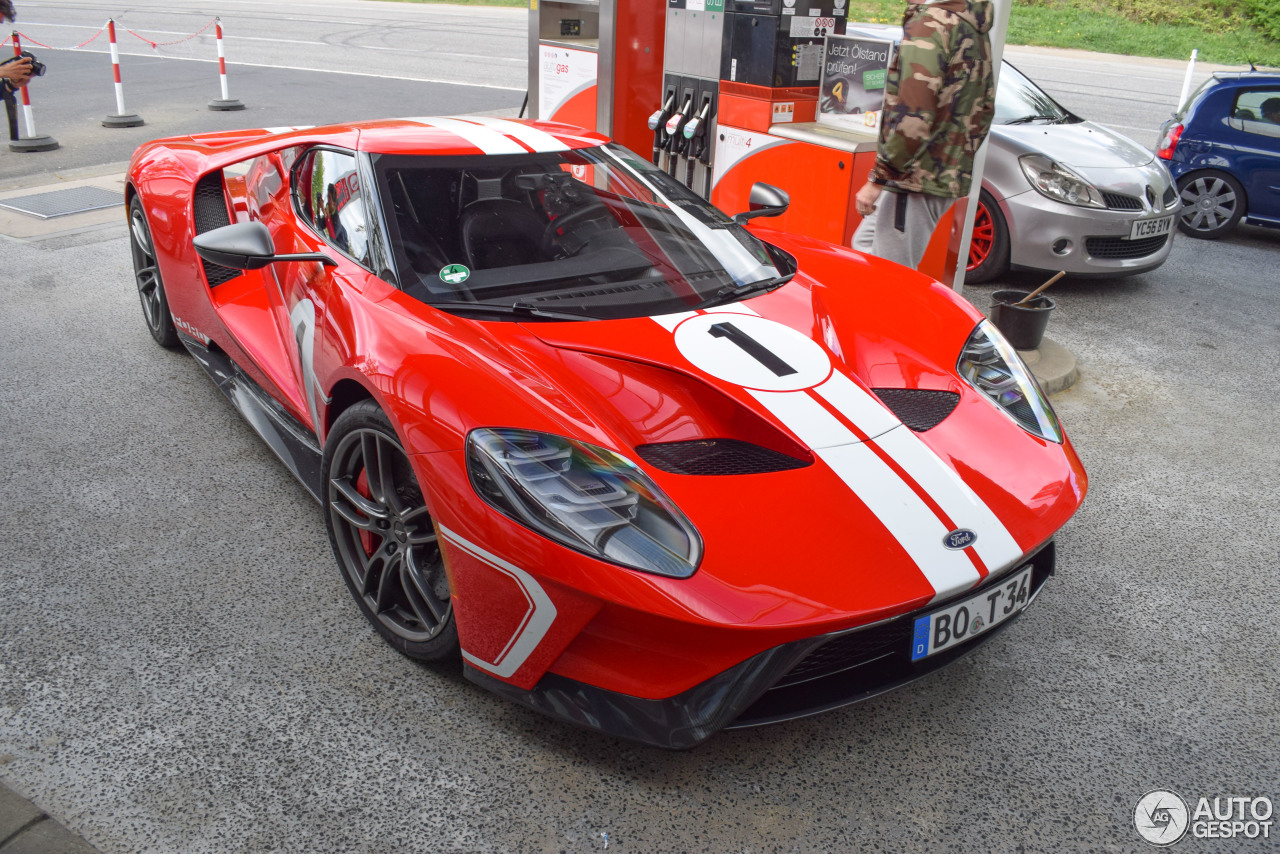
(752, 347)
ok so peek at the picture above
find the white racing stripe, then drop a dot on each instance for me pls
(532, 629)
(905, 515)
(809, 420)
(863, 409)
(488, 141)
(539, 140)
(995, 545)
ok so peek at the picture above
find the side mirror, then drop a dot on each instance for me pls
(247, 246)
(765, 200)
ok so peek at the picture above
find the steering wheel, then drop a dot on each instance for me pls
(564, 221)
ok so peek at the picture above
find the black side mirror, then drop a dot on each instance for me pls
(247, 246)
(765, 200)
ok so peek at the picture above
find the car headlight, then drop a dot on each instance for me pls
(584, 497)
(1059, 183)
(991, 365)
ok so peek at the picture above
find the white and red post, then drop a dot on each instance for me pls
(226, 102)
(121, 119)
(30, 142)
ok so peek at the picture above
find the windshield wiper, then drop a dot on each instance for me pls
(733, 293)
(522, 309)
(1034, 118)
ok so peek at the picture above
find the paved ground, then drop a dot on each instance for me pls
(181, 669)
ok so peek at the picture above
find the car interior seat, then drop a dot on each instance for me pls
(498, 231)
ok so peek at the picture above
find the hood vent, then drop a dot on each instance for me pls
(918, 408)
(717, 457)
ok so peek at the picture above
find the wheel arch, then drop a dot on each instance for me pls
(345, 393)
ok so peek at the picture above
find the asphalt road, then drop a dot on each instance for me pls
(182, 670)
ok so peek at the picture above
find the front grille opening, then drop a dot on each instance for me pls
(920, 409)
(209, 207)
(1120, 202)
(1123, 248)
(717, 457)
(865, 662)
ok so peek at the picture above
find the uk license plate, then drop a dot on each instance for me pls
(971, 617)
(1150, 227)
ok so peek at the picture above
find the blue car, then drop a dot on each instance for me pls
(1223, 149)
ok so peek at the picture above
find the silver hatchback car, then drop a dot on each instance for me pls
(1061, 193)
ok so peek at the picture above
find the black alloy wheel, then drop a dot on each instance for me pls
(146, 274)
(383, 536)
(1212, 203)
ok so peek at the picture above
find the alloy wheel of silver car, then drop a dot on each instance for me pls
(1212, 204)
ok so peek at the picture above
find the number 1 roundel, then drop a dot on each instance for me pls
(752, 352)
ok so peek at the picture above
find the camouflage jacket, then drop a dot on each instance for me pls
(939, 98)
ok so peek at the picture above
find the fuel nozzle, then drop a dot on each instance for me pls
(695, 135)
(675, 125)
(658, 124)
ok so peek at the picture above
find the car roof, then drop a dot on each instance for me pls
(469, 135)
(1247, 77)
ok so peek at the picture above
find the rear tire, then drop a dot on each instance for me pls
(146, 275)
(1213, 203)
(989, 245)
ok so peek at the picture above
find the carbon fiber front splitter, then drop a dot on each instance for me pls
(765, 688)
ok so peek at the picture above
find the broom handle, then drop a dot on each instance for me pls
(1029, 297)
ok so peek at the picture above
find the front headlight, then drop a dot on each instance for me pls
(991, 365)
(1059, 183)
(584, 497)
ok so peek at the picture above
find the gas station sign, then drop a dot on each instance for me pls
(854, 70)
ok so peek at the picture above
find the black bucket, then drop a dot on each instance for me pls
(1024, 326)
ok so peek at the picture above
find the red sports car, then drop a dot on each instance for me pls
(643, 468)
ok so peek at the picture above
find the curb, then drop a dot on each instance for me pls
(1053, 366)
(27, 829)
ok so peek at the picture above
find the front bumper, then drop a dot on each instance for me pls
(1049, 235)
(794, 680)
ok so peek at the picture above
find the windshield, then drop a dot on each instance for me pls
(1019, 101)
(592, 233)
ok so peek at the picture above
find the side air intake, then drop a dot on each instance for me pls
(210, 208)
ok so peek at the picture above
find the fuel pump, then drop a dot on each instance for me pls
(658, 124)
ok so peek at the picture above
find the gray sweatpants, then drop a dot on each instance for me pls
(877, 234)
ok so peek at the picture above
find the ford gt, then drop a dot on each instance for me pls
(640, 465)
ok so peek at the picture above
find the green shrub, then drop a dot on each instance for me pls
(1265, 17)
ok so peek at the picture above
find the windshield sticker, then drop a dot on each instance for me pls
(455, 274)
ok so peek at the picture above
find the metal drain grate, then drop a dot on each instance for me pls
(64, 202)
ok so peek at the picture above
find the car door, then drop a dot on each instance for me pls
(1256, 152)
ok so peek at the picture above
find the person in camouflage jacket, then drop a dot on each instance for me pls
(938, 104)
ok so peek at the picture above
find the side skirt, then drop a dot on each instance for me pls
(291, 441)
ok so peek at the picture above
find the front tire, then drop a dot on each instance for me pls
(146, 275)
(989, 245)
(383, 536)
(1213, 203)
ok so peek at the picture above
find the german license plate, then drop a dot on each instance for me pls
(1150, 227)
(976, 615)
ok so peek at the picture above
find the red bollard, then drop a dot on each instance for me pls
(30, 142)
(121, 119)
(226, 102)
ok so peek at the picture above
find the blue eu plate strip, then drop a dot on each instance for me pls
(920, 641)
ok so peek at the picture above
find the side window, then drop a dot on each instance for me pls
(1258, 111)
(331, 201)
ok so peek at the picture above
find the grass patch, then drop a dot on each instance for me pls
(1222, 32)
